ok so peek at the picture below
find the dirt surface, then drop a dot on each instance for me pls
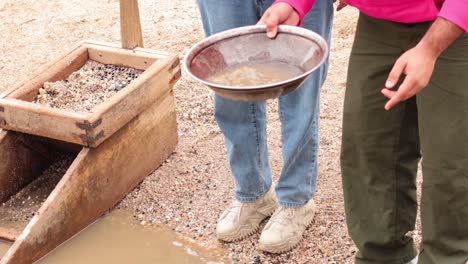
(87, 87)
(20, 208)
(190, 190)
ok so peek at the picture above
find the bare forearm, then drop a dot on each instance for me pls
(440, 36)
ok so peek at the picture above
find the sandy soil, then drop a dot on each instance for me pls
(194, 185)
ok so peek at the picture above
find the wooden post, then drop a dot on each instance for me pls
(130, 26)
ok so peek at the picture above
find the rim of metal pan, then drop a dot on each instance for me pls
(240, 31)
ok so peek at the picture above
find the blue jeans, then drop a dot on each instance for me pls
(244, 123)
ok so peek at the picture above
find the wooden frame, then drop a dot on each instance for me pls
(121, 142)
(125, 139)
(18, 113)
(97, 179)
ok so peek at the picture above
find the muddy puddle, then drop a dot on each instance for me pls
(118, 239)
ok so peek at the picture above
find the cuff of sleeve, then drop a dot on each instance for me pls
(455, 12)
(302, 7)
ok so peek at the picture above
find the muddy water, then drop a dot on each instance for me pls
(252, 74)
(3, 247)
(117, 239)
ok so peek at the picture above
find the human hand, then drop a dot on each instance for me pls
(418, 65)
(341, 4)
(278, 14)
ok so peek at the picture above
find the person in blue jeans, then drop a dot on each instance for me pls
(244, 127)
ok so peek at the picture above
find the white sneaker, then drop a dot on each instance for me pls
(243, 219)
(286, 227)
(414, 261)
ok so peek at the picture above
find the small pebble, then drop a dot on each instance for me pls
(191, 252)
(177, 244)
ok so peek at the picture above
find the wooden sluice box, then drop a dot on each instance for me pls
(115, 145)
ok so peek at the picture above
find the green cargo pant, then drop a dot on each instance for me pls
(381, 150)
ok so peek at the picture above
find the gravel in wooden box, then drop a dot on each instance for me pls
(117, 84)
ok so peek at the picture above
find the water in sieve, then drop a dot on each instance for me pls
(255, 73)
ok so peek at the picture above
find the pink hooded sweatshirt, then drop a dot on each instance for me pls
(404, 11)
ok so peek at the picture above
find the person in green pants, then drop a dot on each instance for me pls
(381, 147)
(406, 98)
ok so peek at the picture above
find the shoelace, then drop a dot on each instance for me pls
(283, 215)
(233, 210)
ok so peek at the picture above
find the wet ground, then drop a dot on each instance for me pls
(117, 239)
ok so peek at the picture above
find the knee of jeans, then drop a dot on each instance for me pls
(225, 108)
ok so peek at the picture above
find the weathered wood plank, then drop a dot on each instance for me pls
(144, 51)
(119, 57)
(154, 83)
(8, 234)
(130, 26)
(41, 120)
(98, 179)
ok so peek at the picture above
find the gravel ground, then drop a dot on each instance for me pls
(87, 87)
(188, 192)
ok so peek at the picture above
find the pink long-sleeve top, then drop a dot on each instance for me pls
(404, 11)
